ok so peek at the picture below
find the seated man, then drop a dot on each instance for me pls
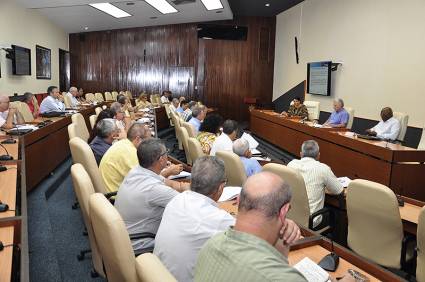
(29, 100)
(73, 94)
(224, 142)
(318, 177)
(53, 102)
(198, 115)
(338, 118)
(298, 109)
(174, 104)
(251, 250)
(187, 114)
(106, 132)
(127, 108)
(251, 165)
(122, 157)
(81, 98)
(9, 115)
(182, 107)
(388, 128)
(142, 101)
(165, 98)
(192, 217)
(123, 122)
(144, 193)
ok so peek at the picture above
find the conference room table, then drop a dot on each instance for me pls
(399, 167)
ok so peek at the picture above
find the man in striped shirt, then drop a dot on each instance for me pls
(318, 177)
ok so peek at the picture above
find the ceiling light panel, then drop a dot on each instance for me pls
(212, 4)
(162, 5)
(111, 10)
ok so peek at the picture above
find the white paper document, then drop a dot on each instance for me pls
(262, 159)
(311, 270)
(317, 125)
(255, 152)
(253, 144)
(182, 174)
(230, 193)
(144, 120)
(344, 181)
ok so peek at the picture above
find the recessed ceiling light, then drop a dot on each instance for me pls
(212, 4)
(162, 6)
(267, 5)
(86, 28)
(111, 10)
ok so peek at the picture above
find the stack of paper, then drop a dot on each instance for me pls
(253, 144)
(182, 174)
(230, 193)
(318, 125)
(344, 181)
(311, 271)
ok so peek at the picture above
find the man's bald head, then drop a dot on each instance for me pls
(266, 193)
(4, 103)
(386, 113)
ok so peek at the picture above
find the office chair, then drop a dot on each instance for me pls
(150, 269)
(92, 119)
(90, 97)
(80, 123)
(403, 119)
(114, 95)
(185, 142)
(98, 97)
(190, 129)
(313, 108)
(195, 149)
(67, 101)
(235, 171)
(108, 96)
(351, 117)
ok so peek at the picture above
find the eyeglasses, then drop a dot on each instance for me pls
(165, 153)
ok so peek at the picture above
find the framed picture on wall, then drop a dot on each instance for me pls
(43, 62)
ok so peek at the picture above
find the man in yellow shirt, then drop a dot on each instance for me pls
(121, 157)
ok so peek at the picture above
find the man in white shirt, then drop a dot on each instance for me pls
(144, 193)
(318, 177)
(174, 104)
(73, 94)
(224, 142)
(52, 103)
(9, 115)
(388, 128)
(198, 115)
(165, 98)
(193, 217)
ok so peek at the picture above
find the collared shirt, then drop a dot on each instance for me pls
(99, 148)
(140, 201)
(164, 100)
(120, 158)
(120, 124)
(238, 256)
(387, 129)
(206, 139)
(251, 165)
(179, 110)
(301, 111)
(222, 143)
(74, 101)
(318, 177)
(340, 117)
(50, 104)
(189, 220)
(186, 115)
(196, 124)
(3, 117)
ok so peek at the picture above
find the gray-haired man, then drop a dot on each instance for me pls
(106, 132)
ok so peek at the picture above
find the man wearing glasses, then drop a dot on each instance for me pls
(9, 115)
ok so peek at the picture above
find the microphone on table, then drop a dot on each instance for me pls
(6, 157)
(330, 262)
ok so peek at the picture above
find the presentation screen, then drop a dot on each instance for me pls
(319, 78)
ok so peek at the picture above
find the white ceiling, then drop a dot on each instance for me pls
(74, 15)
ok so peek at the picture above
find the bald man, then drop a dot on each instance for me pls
(73, 95)
(9, 115)
(388, 128)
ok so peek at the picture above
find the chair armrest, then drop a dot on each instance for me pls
(404, 247)
(316, 214)
(142, 235)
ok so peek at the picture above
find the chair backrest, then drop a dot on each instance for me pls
(113, 240)
(97, 110)
(82, 154)
(35, 103)
(80, 122)
(195, 149)
(404, 120)
(235, 171)
(313, 108)
(421, 145)
(176, 122)
(375, 230)
(128, 94)
(185, 142)
(300, 210)
(114, 95)
(190, 129)
(99, 97)
(150, 269)
(420, 238)
(350, 112)
(67, 101)
(25, 111)
(92, 119)
(84, 189)
(108, 96)
(72, 131)
(90, 97)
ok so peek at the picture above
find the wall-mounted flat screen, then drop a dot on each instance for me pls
(319, 78)
(21, 61)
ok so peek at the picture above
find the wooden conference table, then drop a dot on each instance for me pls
(398, 167)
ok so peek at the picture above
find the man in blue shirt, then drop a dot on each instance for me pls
(198, 115)
(182, 107)
(241, 148)
(52, 103)
(106, 132)
(339, 118)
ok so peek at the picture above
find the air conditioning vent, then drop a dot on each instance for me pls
(182, 2)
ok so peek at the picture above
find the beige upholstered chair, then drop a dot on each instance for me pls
(185, 142)
(150, 269)
(235, 171)
(82, 153)
(90, 97)
(25, 111)
(168, 112)
(35, 103)
(195, 149)
(92, 119)
(404, 120)
(375, 230)
(421, 145)
(112, 239)
(80, 122)
(313, 108)
(108, 96)
(84, 189)
(67, 101)
(190, 129)
(176, 122)
(300, 210)
(128, 94)
(73, 131)
(114, 95)
(420, 235)
(351, 117)
(99, 97)
(97, 110)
